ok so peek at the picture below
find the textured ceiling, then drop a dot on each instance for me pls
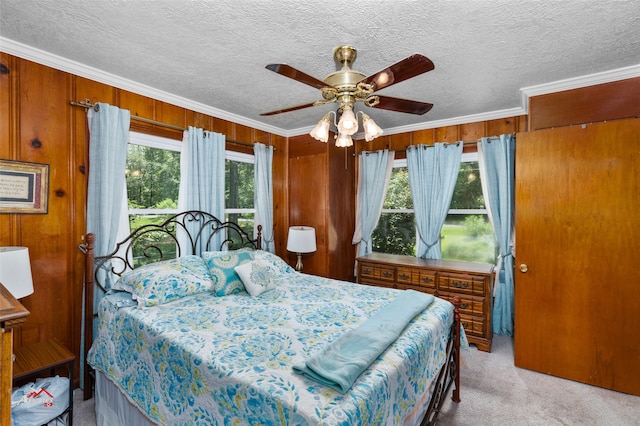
(211, 55)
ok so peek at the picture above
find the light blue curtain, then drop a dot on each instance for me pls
(373, 180)
(433, 171)
(202, 180)
(106, 197)
(263, 194)
(496, 158)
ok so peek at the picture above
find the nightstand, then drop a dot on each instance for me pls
(41, 360)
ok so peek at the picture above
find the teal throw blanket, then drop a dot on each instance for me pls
(341, 362)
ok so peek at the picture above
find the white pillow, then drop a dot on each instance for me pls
(257, 276)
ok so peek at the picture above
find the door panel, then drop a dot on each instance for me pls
(577, 308)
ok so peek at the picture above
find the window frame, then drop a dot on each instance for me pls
(466, 158)
(160, 142)
(240, 157)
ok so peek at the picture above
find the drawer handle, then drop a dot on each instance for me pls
(387, 274)
(427, 279)
(367, 271)
(404, 276)
(460, 284)
(464, 305)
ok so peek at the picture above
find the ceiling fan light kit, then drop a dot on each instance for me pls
(343, 141)
(321, 131)
(347, 87)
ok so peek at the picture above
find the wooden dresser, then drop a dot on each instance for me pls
(472, 282)
(12, 315)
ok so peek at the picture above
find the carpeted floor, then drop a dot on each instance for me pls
(494, 392)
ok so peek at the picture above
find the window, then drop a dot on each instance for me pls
(153, 178)
(466, 235)
(153, 182)
(239, 190)
(396, 230)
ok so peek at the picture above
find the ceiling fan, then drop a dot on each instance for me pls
(346, 87)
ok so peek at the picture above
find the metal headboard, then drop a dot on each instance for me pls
(185, 233)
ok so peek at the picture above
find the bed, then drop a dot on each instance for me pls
(239, 352)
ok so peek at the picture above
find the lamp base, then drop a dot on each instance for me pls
(299, 263)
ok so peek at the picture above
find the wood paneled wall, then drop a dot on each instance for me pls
(602, 102)
(37, 124)
(468, 132)
(322, 195)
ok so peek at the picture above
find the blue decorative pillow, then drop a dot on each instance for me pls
(276, 262)
(257, 276)
(165, 281)
(221, 266)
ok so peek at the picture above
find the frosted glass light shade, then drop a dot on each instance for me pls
(348, 124)
(371, 129)
(15, 271)
(302, 239)
(321, 131)
(343, 141)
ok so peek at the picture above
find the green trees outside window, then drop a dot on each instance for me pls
(466, 235)
(153, 184)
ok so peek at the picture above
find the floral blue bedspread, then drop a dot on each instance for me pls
(228, 360)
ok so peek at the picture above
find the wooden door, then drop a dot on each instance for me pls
(577, 306)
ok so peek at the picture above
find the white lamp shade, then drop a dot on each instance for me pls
(302, 239)
(15, 271)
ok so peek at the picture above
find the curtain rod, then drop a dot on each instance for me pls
(450, 143)
(87, 104)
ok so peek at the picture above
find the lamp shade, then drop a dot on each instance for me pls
(302, 239)
(343, 140)
(321, 131)
(15, 271)
(348, 124)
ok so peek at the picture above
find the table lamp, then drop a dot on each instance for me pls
(15, 271)
(302, 239)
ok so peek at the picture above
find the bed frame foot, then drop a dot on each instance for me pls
(449, 373)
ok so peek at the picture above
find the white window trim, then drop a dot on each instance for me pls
(240, 157)
(467, 157)
(154, 141)
(160, 142)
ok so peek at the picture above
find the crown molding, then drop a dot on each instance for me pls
(465, 119)
(45, 58)
(48, 59)
(578, 82)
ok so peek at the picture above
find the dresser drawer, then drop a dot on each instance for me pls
(471, 282)
(427, 290)
(473, 326)
(373, 272)
(417, 277)
(468, 305)
(467, 284)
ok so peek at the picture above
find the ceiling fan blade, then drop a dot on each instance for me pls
(403, 105)
(289, 71)
(405, 69)
(280, 111)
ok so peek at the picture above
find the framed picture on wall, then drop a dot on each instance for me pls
(24, 187)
